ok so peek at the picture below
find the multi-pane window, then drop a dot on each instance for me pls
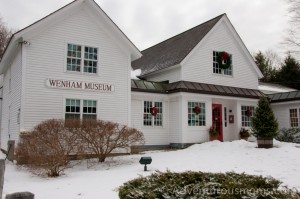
(89, 110)
(247, 113)
(75, 54)
(194, 118)
(158, 117)
(153, 117)
(74, 57)
(294, 117)
(74, 111)
(217, 69)
(90, 60)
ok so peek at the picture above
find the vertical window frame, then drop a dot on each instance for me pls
(193, 119)
(91, 109)
(294, 117)
(217, 70)
(246, 121)
(89, 60)
(81, 114)
(148, 119)
(84, 67)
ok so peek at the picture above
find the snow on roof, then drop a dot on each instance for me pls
(269, 88)
(136, 73)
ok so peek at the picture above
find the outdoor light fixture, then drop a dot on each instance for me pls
(145, 161)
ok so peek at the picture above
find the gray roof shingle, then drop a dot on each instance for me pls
(173, 50)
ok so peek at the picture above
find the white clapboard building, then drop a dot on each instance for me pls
(76, 63)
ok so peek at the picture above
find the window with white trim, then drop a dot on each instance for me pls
(196, 118)
(89, 110)
(73, 109)
(153, 113)
(217, 69)
(75, 55)
(247, 113)
(294, 117)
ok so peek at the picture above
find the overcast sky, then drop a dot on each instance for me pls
(260, 23)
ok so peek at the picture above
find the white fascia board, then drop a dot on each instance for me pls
(10, 53)
(237, 38)
(115, 31)
(243, 46)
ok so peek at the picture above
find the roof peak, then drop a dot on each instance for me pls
(219, 16)
(173, 50)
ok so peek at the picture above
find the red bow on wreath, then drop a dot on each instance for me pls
(197, 110)
(249, 112)
(225, 56)
(154, 111)
(224, 60)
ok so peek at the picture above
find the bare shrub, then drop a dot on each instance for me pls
(102, 137)
(49, 146)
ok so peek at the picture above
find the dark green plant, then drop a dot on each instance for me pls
(213, 133)
(205, 185)
(245, 133)
(264, 124)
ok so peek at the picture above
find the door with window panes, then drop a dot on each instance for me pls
(217, 123)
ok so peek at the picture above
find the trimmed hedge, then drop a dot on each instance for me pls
(204, 185)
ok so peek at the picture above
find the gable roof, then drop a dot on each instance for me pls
(193, 87)
(18, 37)
(173, 50)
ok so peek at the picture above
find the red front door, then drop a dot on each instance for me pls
(217, 119)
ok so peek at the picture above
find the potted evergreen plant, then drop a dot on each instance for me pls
(245, 133)
(264, 124)
(213, 134)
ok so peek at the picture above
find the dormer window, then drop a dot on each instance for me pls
(222, 63)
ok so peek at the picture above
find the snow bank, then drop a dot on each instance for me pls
(90, 180)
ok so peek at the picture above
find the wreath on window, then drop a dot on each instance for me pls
(224, 60)
(153, 111)
(249, 112)
(197, 110)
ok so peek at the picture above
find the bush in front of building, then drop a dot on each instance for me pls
(289, 135)
(51, 146)
(47, 149)
(205, 185)
(101, 138)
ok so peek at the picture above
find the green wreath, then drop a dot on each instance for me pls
(224, 60)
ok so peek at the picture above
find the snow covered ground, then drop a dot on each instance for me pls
(94, 180)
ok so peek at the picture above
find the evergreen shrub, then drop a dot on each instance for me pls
(205, 185)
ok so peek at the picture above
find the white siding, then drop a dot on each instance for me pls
(11, 101)
(153, 135)
(46, 58)
(195, 134)
(171, 75)
(175, 119)
(199, 65)
(282, 112)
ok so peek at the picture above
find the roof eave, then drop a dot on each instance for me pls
(10, 52)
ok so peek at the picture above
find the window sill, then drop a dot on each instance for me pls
(152, 127)
(222, 75)
(81, 73)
